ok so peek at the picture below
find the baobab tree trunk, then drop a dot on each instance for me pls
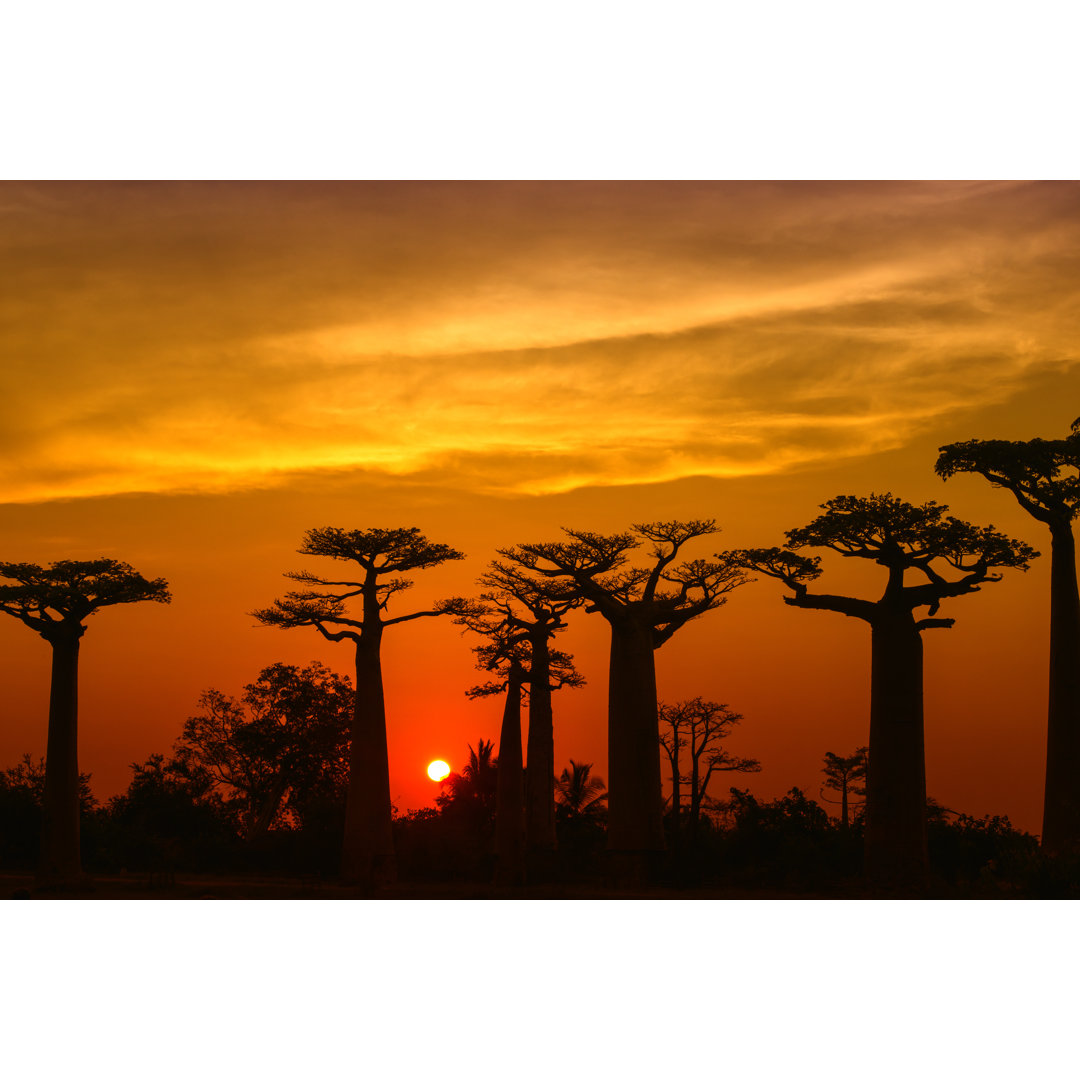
(896, 851)
(540, 777)
(1061, 805)
(60, 863)
(509, 791)
(635, 805)
(367, 854)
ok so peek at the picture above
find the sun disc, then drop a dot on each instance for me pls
(438, 770)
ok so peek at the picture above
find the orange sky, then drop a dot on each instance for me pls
(197, 373)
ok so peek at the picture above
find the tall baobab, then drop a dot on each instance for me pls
(521, 668)
(56, 601)
(644, 606)
(367, 856)
(698, 726)
(533, 610)
(904, 539)
(1044, 477)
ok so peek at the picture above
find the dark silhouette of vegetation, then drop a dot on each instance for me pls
(580, 816)
(644, 606)
(1044, 477)
(697, 726)
(843, 774)
(905, 540)
(382, 555)
(278, 755)
(55, 601)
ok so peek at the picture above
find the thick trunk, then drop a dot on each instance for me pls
(1061, 807)
(540, 777)
(60, 862)
(896, 850)
(367, 855)
(635, 804)
(509, 792)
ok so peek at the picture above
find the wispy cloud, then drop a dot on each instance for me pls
(511, 337)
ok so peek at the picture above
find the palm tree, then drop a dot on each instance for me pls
(580, 796)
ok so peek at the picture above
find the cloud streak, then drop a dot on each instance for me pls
(511, 337)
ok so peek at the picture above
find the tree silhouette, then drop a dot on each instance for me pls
(842, 774)
(579, 795)
(283, 745)
(56, 601)
(1044, 477)
(904, 539)
(699, 726)
(643, 606)
(526, 612)
(473, 791)
(367, 856)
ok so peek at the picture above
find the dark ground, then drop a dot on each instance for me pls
(236, 887)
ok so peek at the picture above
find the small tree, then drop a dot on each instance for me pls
(644, 606)
(1044, 477)
(698, 726)
(904, 540)
(285, 743)
(55, 601)
(381, 554)
(842, 774)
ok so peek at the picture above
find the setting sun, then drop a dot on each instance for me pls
(438, 770)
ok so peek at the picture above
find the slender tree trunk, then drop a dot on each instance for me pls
(676, 796)
(367, 855)
(509, 791)
(540, 776)
(843, 802)
(635, 804)
(60, 863)
(1061, 806)
(695, 795)
(896, 849)
(269, 808)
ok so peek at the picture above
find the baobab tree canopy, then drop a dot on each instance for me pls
(901, 537)
(664, 595)
(1043, 474)
(69, 591)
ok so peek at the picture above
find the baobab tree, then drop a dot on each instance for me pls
(1044, 477)
(842, 774)
(644, 606)
(532, 611)
(522, 669)
(698, 726)
(55, 601)
(367, 856)
(905, 540)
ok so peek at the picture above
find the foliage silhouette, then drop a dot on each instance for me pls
(903, 539)
(22, 795)
(698, 726)
(278, 754)
(580, 816)
(842, 774)
(382, 555)
(644, 606)
(56, 601)
(1044, 477)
